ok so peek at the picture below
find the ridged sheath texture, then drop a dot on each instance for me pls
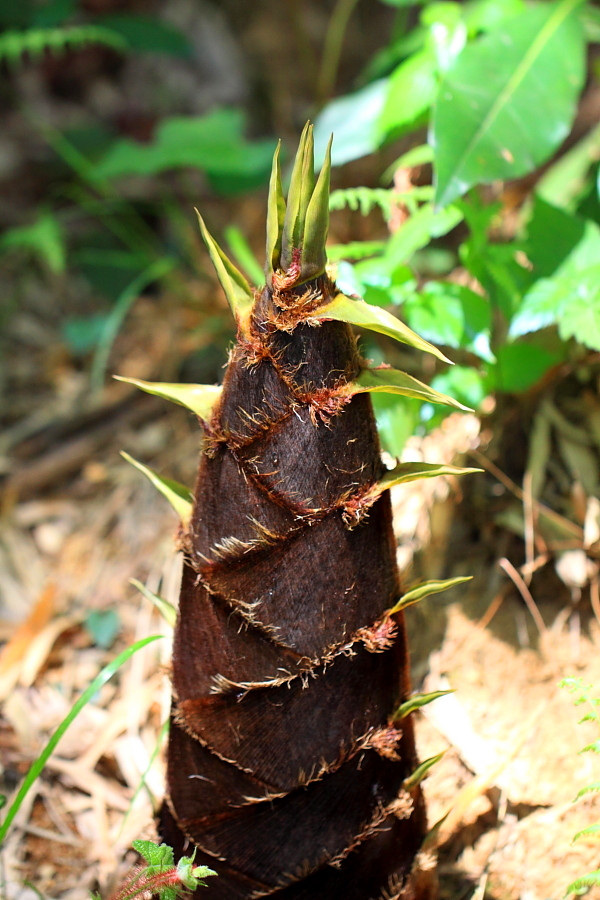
(285, 768)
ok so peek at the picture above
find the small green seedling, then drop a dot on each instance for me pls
(583, 696)
(160, 876)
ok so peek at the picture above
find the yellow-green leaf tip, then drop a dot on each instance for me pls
(177, 494)
(166, 609)
(297, 230)
(240, 295)
(200, 398)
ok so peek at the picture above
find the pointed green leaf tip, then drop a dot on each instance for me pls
(180, 498)
(426, 589)
(200, 398)
(275, 216)
(421, 771)
(237, 290)
(297, 232)
(166, 609)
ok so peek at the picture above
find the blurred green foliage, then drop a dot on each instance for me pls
(495, 83)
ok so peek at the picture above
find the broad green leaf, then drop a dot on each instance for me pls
(447, 31)
(451, 315)
(416, 702)
(240, 295)
(166, 609)
(417, 156)
(44, 238)
(393, 381)
(397, 418)
(571, 301)
(353, 120)
(566, 178)
(519, 366)
(508, 100)
(499, 268)
(363, 315)
(200, 398)
(575, 243)
(426, 589)
(411, 91)
(590, 17)
(539, 309)
(414, 234)
(486, 15)
(36, 768)
(214, 143)
(421, 771)
(177, 494)
(579, 316)
(148, 34)
(383, 281)
(405, 472)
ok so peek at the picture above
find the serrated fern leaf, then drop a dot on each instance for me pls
(582, 885)
(363, 199)
(157, 856)
(14, 45)
(591, 830)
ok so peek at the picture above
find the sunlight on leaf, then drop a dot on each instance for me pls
(363, 315)
(199, 398)
(509, 99)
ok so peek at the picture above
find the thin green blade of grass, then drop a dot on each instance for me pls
(36, 767)
(127, 298)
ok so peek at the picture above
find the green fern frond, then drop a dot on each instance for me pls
(582, 694)
(14, 45)
(364, 199)
(583, 884)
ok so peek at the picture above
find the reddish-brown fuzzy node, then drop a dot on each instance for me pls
(380, 636)
(356, 508)
(326, 403)
(385, 741)
(283, 281)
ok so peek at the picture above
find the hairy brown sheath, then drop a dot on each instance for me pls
(286, 769)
